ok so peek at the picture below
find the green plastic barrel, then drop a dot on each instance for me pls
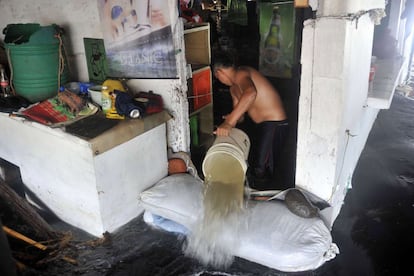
(36, 59)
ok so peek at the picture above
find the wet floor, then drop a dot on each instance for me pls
(375, 226)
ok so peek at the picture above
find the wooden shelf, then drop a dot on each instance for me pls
(197, 44)
(198, 56)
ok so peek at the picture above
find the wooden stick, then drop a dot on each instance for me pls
(21, 207)
(69, 260)
(19, 236)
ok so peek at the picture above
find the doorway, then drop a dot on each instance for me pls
(243, 40)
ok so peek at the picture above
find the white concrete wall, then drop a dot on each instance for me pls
(403, 34)
(335, 7)
(394, 22)
(334, 121)
(80, 18)
(334, 118)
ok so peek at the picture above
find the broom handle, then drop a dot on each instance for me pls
(23, 238)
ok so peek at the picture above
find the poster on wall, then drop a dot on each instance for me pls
(138, 38)
(96, 59)
(277, 32)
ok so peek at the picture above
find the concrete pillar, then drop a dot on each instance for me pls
(334, 120)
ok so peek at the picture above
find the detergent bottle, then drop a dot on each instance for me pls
(108, 98)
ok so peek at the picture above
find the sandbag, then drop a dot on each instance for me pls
(176, 197)
(274, 236)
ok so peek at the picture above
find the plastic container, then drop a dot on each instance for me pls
(95, 92)
(106, 101)
(226, 159)
(36, 59)
(108, 88)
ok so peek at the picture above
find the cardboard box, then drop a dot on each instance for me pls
(197, 44)
(200, 88)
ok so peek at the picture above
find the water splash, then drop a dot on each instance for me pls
(216, 235)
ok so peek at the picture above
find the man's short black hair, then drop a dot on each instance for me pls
(223, 60)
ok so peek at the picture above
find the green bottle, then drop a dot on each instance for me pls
(272, 50)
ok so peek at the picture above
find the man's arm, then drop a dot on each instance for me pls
(247, 92)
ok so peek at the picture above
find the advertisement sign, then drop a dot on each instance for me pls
(138, 38)
(277, 32)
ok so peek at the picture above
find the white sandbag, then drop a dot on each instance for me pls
(274, 236)
(177, 197)
(282, 240)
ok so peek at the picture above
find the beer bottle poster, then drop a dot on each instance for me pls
(138, 38)
(277, 30)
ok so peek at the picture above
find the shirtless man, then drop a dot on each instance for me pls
(251, 92)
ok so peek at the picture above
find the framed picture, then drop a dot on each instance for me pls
(138, 38)
(277, 32)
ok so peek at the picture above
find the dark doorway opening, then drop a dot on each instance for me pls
(243, 41)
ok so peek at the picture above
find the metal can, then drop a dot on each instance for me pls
(134, 113)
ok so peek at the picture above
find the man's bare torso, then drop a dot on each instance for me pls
(267, 105)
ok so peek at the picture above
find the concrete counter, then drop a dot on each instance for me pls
(89, 182)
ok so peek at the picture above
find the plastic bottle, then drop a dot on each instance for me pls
(106, 99)
(4, 82)
(109, 89)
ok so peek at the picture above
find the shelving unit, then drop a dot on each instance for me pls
(197, 43)
(200, 91)
(205, 125)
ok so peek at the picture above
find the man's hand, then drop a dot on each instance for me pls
(223, 129)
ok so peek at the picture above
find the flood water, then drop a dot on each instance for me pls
(375, 226)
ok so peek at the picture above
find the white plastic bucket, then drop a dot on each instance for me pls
(227, 153)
